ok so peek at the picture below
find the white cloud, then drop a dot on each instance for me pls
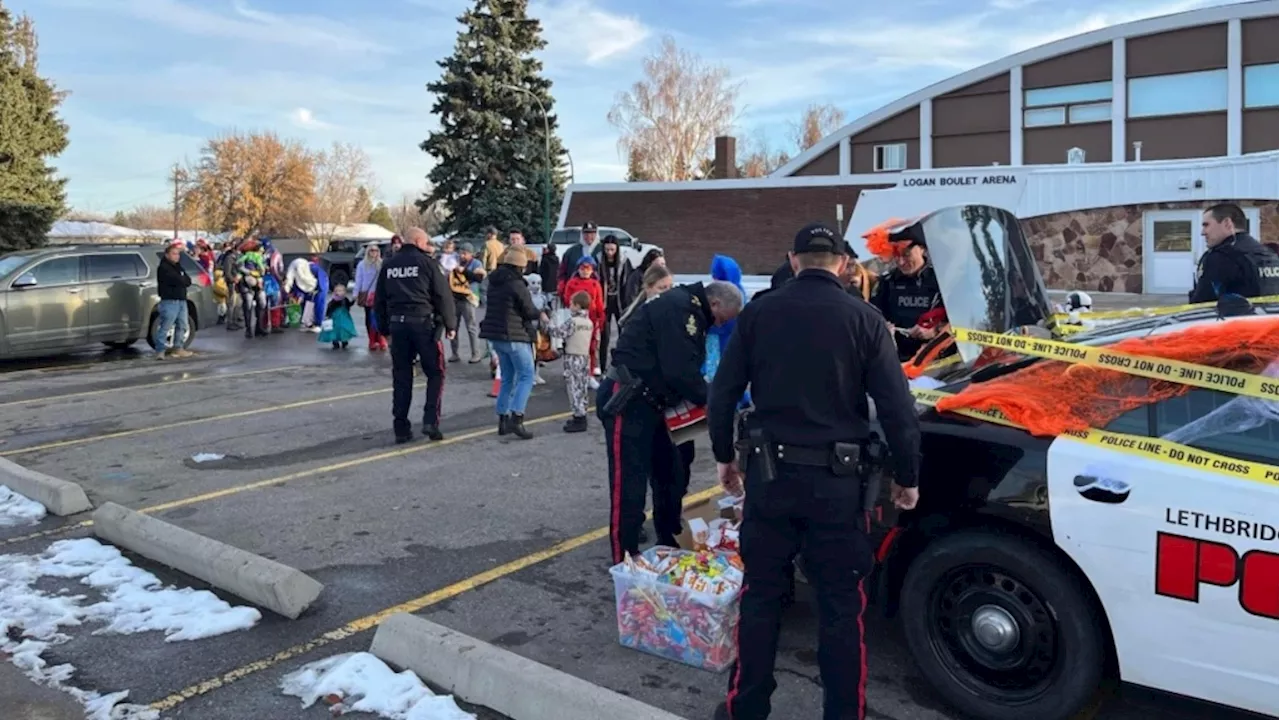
(248, 25)
(581, 31)
(304, 118)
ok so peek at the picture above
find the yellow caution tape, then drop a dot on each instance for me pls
(1177, 371)
(1155, 311)
(1152, 448)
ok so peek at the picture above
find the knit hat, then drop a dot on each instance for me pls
(586, 260)
(515, 256)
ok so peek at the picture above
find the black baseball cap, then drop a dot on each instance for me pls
(588, 226)
(817, 237)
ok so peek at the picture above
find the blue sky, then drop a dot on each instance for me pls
(150, 80)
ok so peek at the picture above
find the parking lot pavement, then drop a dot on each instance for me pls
(500, 539)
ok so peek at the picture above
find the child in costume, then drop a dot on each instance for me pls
(576, 331)
(338, 327)
(584, 280)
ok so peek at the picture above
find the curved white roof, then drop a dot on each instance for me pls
(1137, 28)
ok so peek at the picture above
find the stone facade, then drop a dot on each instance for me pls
(1101, 249)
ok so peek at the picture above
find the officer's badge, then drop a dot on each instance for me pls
(691, 327)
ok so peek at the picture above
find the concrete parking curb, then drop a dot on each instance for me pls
(59, 497)
(483, 674)
(263, 582)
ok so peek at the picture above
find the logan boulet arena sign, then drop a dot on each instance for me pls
(959, 181)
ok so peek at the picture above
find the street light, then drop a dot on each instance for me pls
(546, 138)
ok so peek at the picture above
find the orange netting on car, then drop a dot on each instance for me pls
(1052, 397)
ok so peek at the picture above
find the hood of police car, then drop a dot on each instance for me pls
(986, 272)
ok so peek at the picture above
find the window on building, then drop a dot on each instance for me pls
(1180, 94)
(1084, 103)
(889, 158)
(1262, 85)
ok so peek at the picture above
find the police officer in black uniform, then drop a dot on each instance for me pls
(412, 298)
(907, 292)
(657, 364)
(1236, 264)
(810, 353)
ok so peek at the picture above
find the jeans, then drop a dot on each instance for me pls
(515, 362)
(172, 316)
(467, 318)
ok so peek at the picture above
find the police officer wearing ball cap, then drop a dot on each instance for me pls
(657, 364)
(412, 299)
(811, 353)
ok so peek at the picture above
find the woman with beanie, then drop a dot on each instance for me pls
(508, 325)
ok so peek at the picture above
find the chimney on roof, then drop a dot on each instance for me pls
(725, 165)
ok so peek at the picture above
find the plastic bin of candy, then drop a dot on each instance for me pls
(679, 605)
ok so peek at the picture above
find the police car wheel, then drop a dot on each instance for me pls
(1001, 629)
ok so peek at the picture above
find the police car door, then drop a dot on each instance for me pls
(1183, 557)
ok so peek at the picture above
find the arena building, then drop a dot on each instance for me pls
(1105, 144)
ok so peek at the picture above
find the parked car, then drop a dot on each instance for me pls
(340, 260)
(632, 249)
(64, 298)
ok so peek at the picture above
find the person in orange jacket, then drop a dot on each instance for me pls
(584, 280)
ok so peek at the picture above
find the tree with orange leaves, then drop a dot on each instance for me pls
(253, 182)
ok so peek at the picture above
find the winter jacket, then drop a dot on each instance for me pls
(591, 286)
(367, 276)
(569, 265)
(493, 249)
(335, 304)
(614, 278)
(172, 281)
(509, 314)
(549, 270)
(576, 331)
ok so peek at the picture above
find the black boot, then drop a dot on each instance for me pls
(504, 424)
(432, 432)
(577, 424)
(404, 433)
(516, 427)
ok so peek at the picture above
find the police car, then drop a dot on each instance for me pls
(1034, 566)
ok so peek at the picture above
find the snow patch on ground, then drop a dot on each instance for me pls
(206, 457)
(134, 601)
(18, 509)
(361, 682)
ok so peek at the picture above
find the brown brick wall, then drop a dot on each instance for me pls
(1101, 249)
(753, 225)
(1259, 130)
(1049, 145)
(1082, 66)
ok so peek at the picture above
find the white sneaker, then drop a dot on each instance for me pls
(313, 329)
(538, 379)
(594, 384)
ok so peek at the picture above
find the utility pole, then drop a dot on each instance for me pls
(179, 176)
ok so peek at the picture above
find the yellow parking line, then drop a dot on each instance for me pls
(369, 622)
(193, 421)
(148, 386)
(237, 489)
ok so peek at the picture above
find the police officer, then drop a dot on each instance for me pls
(905, 293)
(811, 353)
(412, 298)
(1235, 264)
(657, 364)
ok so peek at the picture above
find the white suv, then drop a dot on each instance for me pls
(632, 249)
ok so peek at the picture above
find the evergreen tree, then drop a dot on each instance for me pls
(381, 215)
(31, 197)
(490, 152)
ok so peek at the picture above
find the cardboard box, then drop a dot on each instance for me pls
(707, 510)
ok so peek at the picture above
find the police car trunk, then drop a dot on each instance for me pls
(1077, 518)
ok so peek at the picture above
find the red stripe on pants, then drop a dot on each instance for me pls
(615, 519)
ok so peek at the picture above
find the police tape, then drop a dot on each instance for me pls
(1154, 311)
(1146, 447)
(1176, 371)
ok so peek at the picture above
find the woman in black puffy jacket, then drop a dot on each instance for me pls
(508, 325)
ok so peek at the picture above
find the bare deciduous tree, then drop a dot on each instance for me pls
(759, 158)
(406, 215)
(343, 178)
(817, 122)
(670, 119)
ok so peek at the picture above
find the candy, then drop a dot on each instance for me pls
(685, 612)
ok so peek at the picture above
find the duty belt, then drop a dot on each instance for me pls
(409, 318)
(800, 455)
